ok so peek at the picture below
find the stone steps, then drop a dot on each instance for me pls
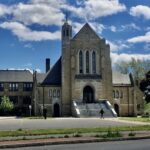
(93, 109)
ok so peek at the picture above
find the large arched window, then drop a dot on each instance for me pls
(87, 62)
(94, 62)
(80, 62)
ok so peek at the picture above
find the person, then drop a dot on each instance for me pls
(45, 113)
(102, 113)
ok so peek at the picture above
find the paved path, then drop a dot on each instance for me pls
(121, 145)
(14, 124)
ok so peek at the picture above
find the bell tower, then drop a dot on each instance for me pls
(66, 35)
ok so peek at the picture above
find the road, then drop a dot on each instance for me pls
(118, 145)
(14, 124)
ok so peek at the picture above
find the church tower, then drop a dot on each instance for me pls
(65, 61)
(66, 32)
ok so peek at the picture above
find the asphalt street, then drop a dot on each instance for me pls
(14, 124)
(118, 145)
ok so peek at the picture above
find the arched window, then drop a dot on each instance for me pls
(54, 93)
(80, 62)
(117, 94)
(58, 93)
(67, 32)
(50, 93)
(93, 63)
(64, 33)
(87, 62)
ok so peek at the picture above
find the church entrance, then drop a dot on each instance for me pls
(88, 95)
(116, 107)
(56, 111)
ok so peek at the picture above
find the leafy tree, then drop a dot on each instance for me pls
(147, 108)
(145, 87)
(6, 105)
(137, 67)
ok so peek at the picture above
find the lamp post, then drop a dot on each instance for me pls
(30, 107)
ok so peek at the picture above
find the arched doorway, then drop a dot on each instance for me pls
(88, 95)
(116, 107)
(56, 110)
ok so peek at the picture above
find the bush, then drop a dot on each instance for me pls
(66, 136)
(132, 134)
(6, 106)
(77, 135)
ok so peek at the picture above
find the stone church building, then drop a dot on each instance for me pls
(82, 82)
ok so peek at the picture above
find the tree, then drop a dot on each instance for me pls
(6, 105)
(145, 86)
(137, 67)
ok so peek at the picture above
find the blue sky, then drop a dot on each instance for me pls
(30, 29)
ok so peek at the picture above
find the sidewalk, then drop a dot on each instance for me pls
(11, 117)
(57, 139)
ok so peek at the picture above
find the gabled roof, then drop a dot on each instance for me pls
(16, 76)
(86, 29)
(40, 77)
(53, 76)
(121, 79)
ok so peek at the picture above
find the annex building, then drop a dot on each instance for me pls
(80, 83)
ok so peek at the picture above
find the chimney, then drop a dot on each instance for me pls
(47, 64)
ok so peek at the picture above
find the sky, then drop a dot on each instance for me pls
(30, 30)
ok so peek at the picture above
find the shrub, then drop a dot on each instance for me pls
(6, 106)
(77, 134)
(66, 136)
(132, 134)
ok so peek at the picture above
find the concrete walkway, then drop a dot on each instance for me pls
(18, 123)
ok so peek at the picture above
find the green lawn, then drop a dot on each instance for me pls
(140, 119)
(21, 132)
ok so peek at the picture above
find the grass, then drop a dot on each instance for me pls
(140, 119)
(21, 132)
(34, 117)
(112, 134)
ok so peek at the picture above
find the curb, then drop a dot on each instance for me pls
(67, 141)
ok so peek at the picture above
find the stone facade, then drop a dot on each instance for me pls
(81, 81)
(83, 73)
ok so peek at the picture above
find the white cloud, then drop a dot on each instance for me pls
(138, 39)
(4, 10)
(54, 3)
(92, 9)
(127, 57)
(140, 10)
(130, 26)
(50, 12)
(98, 28)
(42, 14)
(26, 34)
(117, 46)
(113, 28)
